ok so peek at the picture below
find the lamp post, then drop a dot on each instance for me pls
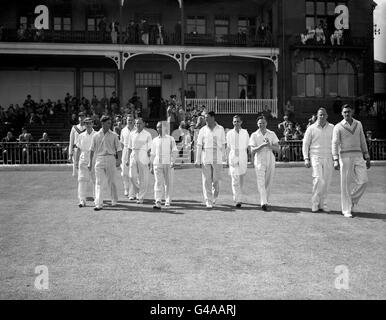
(120, 71)
(181, 3)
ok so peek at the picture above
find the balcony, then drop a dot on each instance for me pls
(236, 106)
(169, 38)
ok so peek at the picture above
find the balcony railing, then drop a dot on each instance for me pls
(169, 38)
(236, 106)
(12, 153)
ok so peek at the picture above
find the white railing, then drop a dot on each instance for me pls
(235, 106)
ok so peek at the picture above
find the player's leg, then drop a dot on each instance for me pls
(206, 172)
(318, 183)
(346, 169)
(111, 180)
(360, 179)
(216, 176)
(158, 185)
(100, 176)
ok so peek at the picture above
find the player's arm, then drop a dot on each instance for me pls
(77, 156)
(71, 144)
(199, 148)
(119, 151)
(306, 147)
(174, 153)
(152, 155)
(335, 146)
(364, 147)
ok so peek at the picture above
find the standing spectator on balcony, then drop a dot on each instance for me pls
(319, 32)
(114, 103)
(86, 177)
(177, 32)
(124, 139)
(102, 27)
(160, 34)
(317, 154)
(138, 159)
(144, 29)
(21, 33)
(131, 33)
(263, 142)
(106, 148)
(163, 156)
(337, 36)
(237, 141)
(114, 31)
(76, 130)
(349, 149)
(171, 117)
(8, 148)
(210, 152)
(1, 32)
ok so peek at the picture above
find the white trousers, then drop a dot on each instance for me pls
(127, 184)
(105, 167)
(353, 181)
(86, 181)
(211, 176)
(322, 169)
(163, 185)
(264, 174)
(139, 176)
(237, 185)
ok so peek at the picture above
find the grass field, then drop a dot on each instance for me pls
(188, 252)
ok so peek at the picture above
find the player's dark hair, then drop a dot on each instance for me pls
(347, 106)
(211, 113)
(261, 118)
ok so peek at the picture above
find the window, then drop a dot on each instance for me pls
(221, 28)
(196, 24)
(62, 23)
(99, 83)
(148, 79)
(247, 86)
(309, 79)
(340, 79)
(92, 23)
(197, 81)
(222, 85)
(318, 12)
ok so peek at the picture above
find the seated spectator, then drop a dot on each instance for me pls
(7, 149)
(337, 36)
(29, 104)
(73, 120)
(25, 138)
(310, 35)
(43, 149)
(284, 125)
(311, 120)
(298, 133)
(34, 119)
(21, 33)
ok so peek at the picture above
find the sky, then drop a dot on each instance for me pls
(380, 40)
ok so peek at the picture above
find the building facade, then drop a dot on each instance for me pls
(236, 56)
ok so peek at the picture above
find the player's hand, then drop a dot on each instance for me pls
(151, 169)
(172, 165)
(89, 167)
(307, 163)
(336, 164)
(368, 164)
(70, 157)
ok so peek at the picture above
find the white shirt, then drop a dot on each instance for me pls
(84, 144)
(264, 155)
(164, 150)
(237, 142)
(317, 141)
(212, 142)
(125, 133)
(140, 144)
(74, 135)
(105, 143)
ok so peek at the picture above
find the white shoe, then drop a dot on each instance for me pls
(209, 205)
(315, 208)
(131, 198)
(167, 204)
(126, 193)
(157, 205)
(347, 215)
(82, 203)
(139, 201)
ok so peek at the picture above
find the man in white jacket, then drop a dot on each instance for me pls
(163, 155)
(318, 155)
(124, 139)
(237, 141)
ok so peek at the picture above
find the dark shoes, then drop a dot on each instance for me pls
(264, 207)
(238, 204)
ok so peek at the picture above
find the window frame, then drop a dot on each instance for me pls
(195, 85)
(93, 85)
(221, 81)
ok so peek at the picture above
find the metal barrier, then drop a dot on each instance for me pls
(33, 152)
(57, 152)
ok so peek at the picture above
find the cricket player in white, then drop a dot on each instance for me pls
(86, 178)
(107, 149)
(263, 142)
(163, 155)
(74, 133)
(210, 151)
(317, 154)
(237, 141)
(349, 150)
(138, 159)
(124, 139)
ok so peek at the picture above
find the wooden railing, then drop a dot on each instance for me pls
(236, 106)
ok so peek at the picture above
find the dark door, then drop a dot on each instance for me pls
(154, 102)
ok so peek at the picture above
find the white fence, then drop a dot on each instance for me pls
(236, 106)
